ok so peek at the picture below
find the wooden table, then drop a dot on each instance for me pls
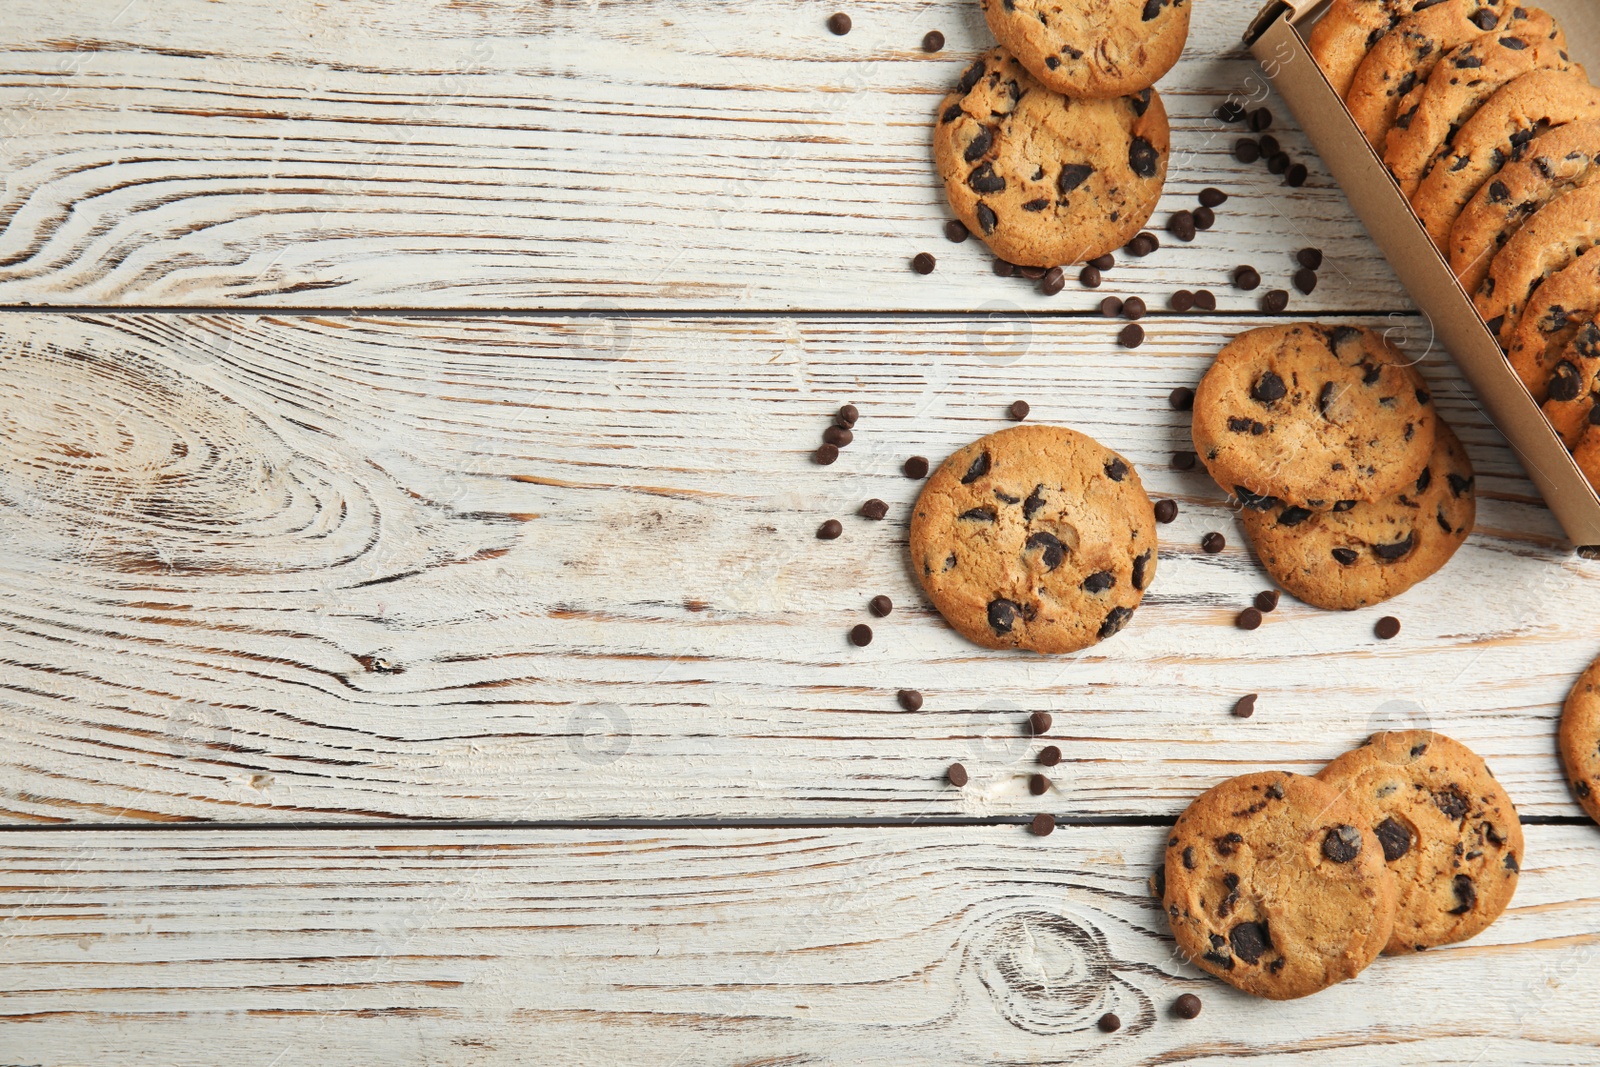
(416, 646)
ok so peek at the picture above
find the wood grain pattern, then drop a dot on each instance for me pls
(974, 945)
(289, 568)
(653, 153)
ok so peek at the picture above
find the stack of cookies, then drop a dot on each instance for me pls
(1053, 147)
(1282, 885)
(1493, 133)
(1351, 487)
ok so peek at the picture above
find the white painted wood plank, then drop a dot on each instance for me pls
(289, 568)
(688, 947)
(654, 153)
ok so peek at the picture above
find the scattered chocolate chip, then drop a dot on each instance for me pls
(830, 529)
(1166, 511)
(1103, 262)
(1342, 844)
(956, 230)
(1033, 274)
(1109, 1023)
(923, 263)
(956, 775)
(1182, 300)
(916, 467)
(1246, 278)
(1049, 756)
(1184, 461)
(1275, 301)
(1111, 307)
(1055, 280)
(1181, 398)
(1089, 278)
(1387, 627)
(1039, 723)
(910, 699)
(1204, 218)
(1004, 269)
(861, 635)
(1394, 837)
(1043, 825)
(1245, 706)
(838, 435)
(880, 605)
(1018, 410)
(1187, 1006)
(1213, 543)
(1270, 147)
(1229, 111)
(1296, 175)
(825, 454)
(1277, 164)
(1309, 258)
(1038, 785)
(1131, 336)
(874, 509)
(1133, 308)
(1246, 150)
(1212, 197)
(1143, 243)
(1248, 619)
(932, 41)
(839, 23)
(1205, 300)
(1267, 600)
(1181, 225)
(1259, 119)
(1305, 280)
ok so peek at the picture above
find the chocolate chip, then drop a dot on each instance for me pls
(1309, 258)
(1098, 582)
(1294, 516)
(1205, 300)
(1268, 388)
(984, 513)
(1039, 723)
(1466, 894)
(838, 435)
(1003, 615)
(874, 509)
(1184, 461)
(915, 467)
(1115, 620)
(923, 263)
(1277, 164)
(1229, 111)
(830, 529)
(983, 179)
(1387, 627)
(1187, 1006)
(1212, 197)
(839, 24)
(1249, 941)
(1246, 278)
(1144, 242)
(978, 468)
(1089, 278)
(1182, 300)
(1246, 150)
(1394, 837)
(1018, 410)
(1131, 335)
(1248, 619)
(1245, 706)
(1103, 262)
(1143, 159)
(1270, 146)
(1259, 119)
(1345, 556)
(1054, 551)
(1213, 542)
(1267, 600)
(861, 635)
(880, 605)
(1181, 398)
(1109, 1023)
(956, 775)
(1049, 756)
(1055, 280)
(1450, 801)
(1565, 382)
(1204, 218)
(1181, 225)
(1227, 845)
(1398, 550)
(1305, 280)
(1111, 307)
(1038, 785)
(1275, 301)
(1072, 175)
(956, 230)
(987, 219)
(847, 415)
(825, 454)
(910, 699)
(1342, 844)
(1296, 175)
(1043, 825)
(1033, 274)
(1166, 511)
(1034, 502)
(1004, 269)
(1133, 308)
(1116, 469)
(932, 41)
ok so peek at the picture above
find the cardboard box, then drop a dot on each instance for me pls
(1277, 38)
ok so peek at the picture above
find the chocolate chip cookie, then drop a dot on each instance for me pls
(1499, 132)
(1549, 321)
(1036, 537)
(1349, 30)
(1580, 739)
(1448, 832)
(1405, 57)
(1275, 885)
(1089, 48)
(1313, 416)
(1045, 180)
(1430, 114)
(1556, 235)
(1373, 550)
(1587, 456)
(1556, 163)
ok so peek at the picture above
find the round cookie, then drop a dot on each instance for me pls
(1580, 739)
(1312, 416)
(1405, 57)
(1575, 386)
(1556, 163)
(1430, 114)
(1446, 827)
(1587, 456)
(1373, 550)
(1089, 48)
(1557, 234)
(1349, 30)
(1274, 885)
(1499, 131)
(1551, 318)
(1036, 537)
(1045, 180)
